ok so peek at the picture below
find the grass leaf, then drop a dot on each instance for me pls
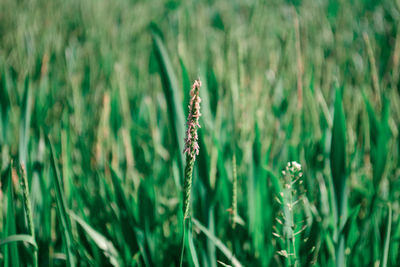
(103, 243)
(19, 238)
(11, 255)
(62, 209)
(338, 169)
(218, 243)
(25, 122)
(338, 155)
(172, 95)
(386, 245)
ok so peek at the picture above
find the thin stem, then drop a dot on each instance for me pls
(183, 244)
(187, 185)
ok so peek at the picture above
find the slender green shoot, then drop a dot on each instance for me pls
(28, 208)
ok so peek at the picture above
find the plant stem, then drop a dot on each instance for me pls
(28, 210)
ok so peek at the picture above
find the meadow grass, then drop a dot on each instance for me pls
(93, 101)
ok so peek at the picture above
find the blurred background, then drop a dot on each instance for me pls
(106, 84)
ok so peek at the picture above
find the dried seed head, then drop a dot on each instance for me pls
(191, 144)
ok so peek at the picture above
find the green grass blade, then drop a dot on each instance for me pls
(338, 155)
(128, 221)
(351, 220)
(19, 238)
(338, 169)
(62, 209)
(25, 122)
(386, 246)
(121, 197)
(379, 135)
(218, 243)
(188, 243)
(103, 243)
(11, 255)
(192, 250)
(172, 94)
(4, 107)
(185, 85)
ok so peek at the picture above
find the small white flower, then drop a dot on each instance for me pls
(296, 165)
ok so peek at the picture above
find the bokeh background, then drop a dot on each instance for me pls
(106, 84)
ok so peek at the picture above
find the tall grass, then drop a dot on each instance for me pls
(108, 83)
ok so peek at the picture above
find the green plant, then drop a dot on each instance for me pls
(290, 200)
(191, 150)
(28, 208)
(108, 82)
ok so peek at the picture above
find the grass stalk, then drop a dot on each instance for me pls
(191, 150)
(290, 198)
(28, 209)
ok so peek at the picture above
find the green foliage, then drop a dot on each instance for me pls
(62, 210)
(379, 138)
(338, 157)
(10, 252)
(172, 94)
(108, 82)
(105, 245)
(338, 169)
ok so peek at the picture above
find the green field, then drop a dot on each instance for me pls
(94, 100)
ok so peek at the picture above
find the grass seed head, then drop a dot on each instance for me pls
(191, 143)
(191, 139)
